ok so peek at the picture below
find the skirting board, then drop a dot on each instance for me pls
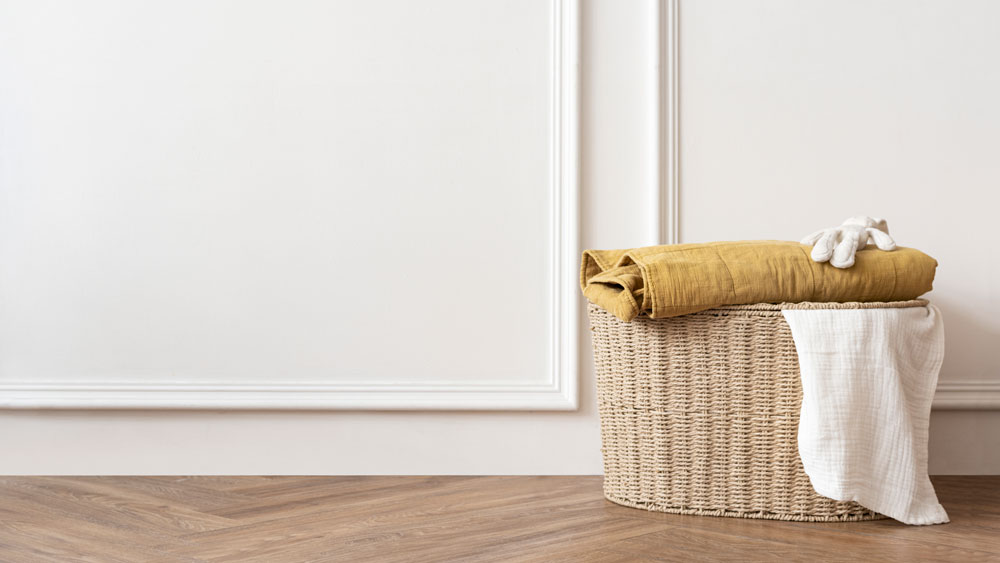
(967, 395)
(952, 395)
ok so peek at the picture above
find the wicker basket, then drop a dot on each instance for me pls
(699, 414)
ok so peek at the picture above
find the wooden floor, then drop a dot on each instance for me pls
(413, 519)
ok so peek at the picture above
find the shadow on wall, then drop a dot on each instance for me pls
(963, 442)
(971, 341)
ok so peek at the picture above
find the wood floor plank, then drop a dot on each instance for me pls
(596, 556)
(430, 519)
(496, 541)
(93, 500)
(180, 491)
(277, 499)
(37, 533)
(703, 545)
(869, 535)
(394, 513)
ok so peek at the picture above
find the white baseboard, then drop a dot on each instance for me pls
(967, 395)
(951, 395)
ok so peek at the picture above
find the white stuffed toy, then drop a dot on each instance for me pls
(839, 244)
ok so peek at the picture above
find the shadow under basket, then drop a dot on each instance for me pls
(699, 414)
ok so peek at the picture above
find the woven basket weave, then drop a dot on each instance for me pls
(699, 414)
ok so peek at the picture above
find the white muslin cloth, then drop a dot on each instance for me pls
(868, 379)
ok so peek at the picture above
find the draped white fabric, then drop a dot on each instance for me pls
(868, 379)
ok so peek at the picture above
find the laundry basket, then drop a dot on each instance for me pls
(699, 414)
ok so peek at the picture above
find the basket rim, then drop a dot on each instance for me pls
(774, 309)
(822, 305)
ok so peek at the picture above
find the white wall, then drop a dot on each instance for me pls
(307, 194)
(490, 190)
(783, 104)
(796, 115)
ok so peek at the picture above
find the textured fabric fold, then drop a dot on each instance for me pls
(868, 380)
(666, 281)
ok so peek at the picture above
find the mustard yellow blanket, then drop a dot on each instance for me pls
(666, 281)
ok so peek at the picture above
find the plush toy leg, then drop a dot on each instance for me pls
(823, 249)
(882, 240)
(843, 255)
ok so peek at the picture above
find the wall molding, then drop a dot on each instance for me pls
(665, 132)
(559, 392)
(665, 182)
(967, 395)
(287, 396)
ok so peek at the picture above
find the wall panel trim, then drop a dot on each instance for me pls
(665, 193)
(967, 395)
(665, 220)
(559, 392)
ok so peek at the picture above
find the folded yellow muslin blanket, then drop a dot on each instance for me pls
(666, 281)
